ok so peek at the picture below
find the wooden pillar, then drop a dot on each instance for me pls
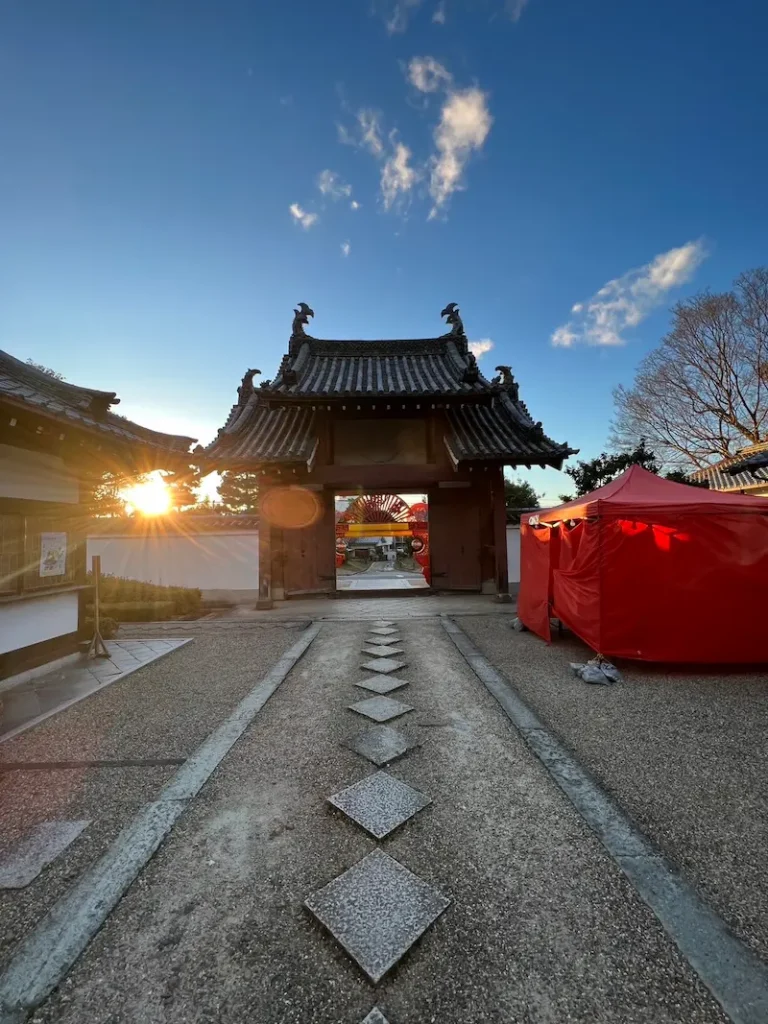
(264, 601)
(500, 535)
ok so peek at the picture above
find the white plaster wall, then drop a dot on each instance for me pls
(513, 553)
(34, 475)
(23, 623)
(210, 561)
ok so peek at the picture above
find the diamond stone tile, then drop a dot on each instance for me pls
(375, 1017)
(381, 684)
(380, 744)
(376, 911)
(22, 864)
(379, 641)
(379, 804)
(383, 665)
(382, 652)
(380, 709)
(383, 629)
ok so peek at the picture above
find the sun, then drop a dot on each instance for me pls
(151, 498)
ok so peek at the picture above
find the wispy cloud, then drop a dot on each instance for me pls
(514, 8)
(627, 300)
(354, 205)
(398, 176)
(301, 216)
(397, 13)
(465, 122)
(428, 75)
(331, 185)
(439, 14)
(346, 248)
(481, 347)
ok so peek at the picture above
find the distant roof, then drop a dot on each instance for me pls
(426, 367)
(173, 524)
(85, 408)
(740, 472)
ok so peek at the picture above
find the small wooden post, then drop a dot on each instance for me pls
(500, 536)
(97, 648)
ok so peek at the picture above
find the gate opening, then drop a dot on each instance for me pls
(382, 542)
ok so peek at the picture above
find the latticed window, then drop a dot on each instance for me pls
(11, 552)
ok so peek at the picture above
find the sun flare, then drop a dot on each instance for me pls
(151, 498)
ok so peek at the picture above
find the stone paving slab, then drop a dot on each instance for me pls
(380, 803)
(383, 652)
(384, 629)
(382, 683)
(376, 911)
(380, 641)
(375, 1017)
(380, 709)
(23, 863)
(386, 665)
(380, 744)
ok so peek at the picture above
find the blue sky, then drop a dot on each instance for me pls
(514, 157)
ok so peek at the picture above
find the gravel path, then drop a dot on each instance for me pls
(684, 754)
(163, 710)
(543, 928)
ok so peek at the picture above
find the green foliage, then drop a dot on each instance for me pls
(598, 472)
(108, 626)
(239, 492)
(101, 493)
(46, 369)
(519, 494)
(138, 611)
(183, 487)
(117, 593)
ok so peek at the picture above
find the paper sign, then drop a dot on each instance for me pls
(53, 554)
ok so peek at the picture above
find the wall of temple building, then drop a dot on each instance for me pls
(224, 566)
(40, 553)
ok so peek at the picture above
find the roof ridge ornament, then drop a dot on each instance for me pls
(245, 390)
(301, 317)
(451, 314)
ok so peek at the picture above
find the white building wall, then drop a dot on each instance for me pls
(23, 623)
(513, 553)
(220, 564)
(35, 476)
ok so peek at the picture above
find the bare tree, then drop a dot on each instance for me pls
(703, 393)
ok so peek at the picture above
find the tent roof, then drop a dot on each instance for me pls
(642, 493)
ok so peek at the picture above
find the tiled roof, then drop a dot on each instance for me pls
(742, 471)
(427, 367)
(26, 386)
(261, 433)
(503, 430)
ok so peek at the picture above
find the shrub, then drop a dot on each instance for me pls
(138, 611)
(107, 626)
(184, 601)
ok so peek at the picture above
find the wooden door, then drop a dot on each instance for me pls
(454, 538)
(309, 555)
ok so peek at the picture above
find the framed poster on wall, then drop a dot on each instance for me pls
(53, 554)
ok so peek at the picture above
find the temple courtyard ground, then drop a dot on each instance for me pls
(573, 853)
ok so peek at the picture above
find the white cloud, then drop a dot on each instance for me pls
(514, 8)
(465, 122)
(330, 184)
(439, 16)
(301, 216)
(369, 132)
(627, 300)
(346, 248)
(428, 75)
(397, 175)
(481, 347)
(354, 205)
(397, 13)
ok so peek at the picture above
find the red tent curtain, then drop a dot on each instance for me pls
(536, 558)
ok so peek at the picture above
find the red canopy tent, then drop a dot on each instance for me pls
(653, 570)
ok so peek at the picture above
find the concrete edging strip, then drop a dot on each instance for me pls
(44, 958)
(734, 975)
